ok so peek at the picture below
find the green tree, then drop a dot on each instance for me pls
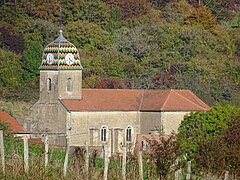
(47, 29)
(199, 42)
(10, 69)
(87, 35)
(115, 19)
(45, 10)
(111, 63)
(158, 3)
(175, 11)
(227, 154)
(31, 58)
(13, 11)
(203, 126)
(83, 10)
(235, 36)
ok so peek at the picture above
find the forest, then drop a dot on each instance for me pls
(136, 44)
(146, 44)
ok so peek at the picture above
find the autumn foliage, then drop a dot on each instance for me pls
(127, 44)
(221, 154)
(202, 16)
(131, 8)
(111, 83)
(11, 40)
(164, 154)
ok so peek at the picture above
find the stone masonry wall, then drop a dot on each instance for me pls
(47, 96)
(82, 123)
(76, 77)
(150, 121)
(172, 120)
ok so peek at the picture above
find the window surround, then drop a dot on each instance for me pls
(49, 84)
(129, 134)
(69, 87)
(104, 134)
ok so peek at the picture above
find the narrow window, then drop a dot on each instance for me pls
(129, 133)
(69, 85)
(49, 84)
(104, 134)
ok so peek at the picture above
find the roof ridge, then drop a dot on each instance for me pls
(132, 89)
(141, 101)
(113, 89)
(166, 99)
(190, 100)
(197, 99)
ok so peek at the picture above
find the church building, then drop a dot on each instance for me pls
(112, 117)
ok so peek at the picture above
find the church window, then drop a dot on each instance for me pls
(69, 85)
(104, 134)
(129, 131)
(49, 84)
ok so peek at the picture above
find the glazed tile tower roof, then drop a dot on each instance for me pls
(60, 54)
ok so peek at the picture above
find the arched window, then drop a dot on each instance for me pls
(69, 85)
(103, 133)
(49, 84)
(129, 132)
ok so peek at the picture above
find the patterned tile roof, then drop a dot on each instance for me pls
(135, 100)
(13, 123)
(55, 55)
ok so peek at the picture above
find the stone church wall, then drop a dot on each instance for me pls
(48, 114)
(46, 95)
(172, 120)
(84, 123)
(76, 78)
(50, 118)
(150, 121)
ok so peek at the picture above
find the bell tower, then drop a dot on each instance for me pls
(60, 71)
(60, 78)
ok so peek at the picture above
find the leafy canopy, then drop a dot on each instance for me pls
(201, 126)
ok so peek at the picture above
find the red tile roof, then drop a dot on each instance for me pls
(134, 100)
(13, 123)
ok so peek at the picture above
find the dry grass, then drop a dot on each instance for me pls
(54, 171)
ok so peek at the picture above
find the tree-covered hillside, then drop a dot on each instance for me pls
(150, 44)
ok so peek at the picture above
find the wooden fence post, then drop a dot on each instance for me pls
(66, 159)
(26, 154)
(188, 170)
(87, 161)
(176, 171)
(140, 160)
(102, 154)
(226, 175)
(46, 149)
(124, 156)
(2, 151)
(105, 162)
